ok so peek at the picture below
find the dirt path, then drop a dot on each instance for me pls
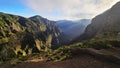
(84, 61)
(82, 58)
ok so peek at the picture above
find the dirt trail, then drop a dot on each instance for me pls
(82, 58)
(111, 54)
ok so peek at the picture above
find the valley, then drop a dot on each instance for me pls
(42, 43)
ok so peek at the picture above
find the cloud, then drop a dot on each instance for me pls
(70, 9)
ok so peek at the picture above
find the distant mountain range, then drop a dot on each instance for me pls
(73, 29)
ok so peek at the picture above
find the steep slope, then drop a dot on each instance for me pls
(25, 36)
(51, 28)
(104, 26)
(58, 37)
(72, 29)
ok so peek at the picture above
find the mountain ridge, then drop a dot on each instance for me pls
(105, 25)
(72, 29)
(27, 34)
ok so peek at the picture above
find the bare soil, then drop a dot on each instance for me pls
(82, 58)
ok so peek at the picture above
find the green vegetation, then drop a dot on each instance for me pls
(97, 44)
(6, 53)
(23, 39)
(60, 54)
(115, 43)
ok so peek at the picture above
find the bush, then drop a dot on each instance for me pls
(60, 54)
(6, 53)
(97, 44)
(115, 43)
(80, 45)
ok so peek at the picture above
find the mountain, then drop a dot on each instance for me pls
(27, 35)
(51, 26)
(104, 26)
(72, 29)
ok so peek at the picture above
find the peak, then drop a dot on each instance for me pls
(117, 5)
(36, 16)
(1, 12)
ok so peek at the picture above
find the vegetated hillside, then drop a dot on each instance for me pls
(75, 56)
(33, 43)
(72, 29)
(52, 28)
(104, 26)
(23, 36)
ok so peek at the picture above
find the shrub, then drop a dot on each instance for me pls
(6, 53)
(115, 43)
(60, 54)
(97, 44)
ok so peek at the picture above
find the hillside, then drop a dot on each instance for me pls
(104, 26)
(41, 43)
(23, 36)
(82, 58)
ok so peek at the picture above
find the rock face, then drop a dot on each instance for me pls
(72, 29)
(104, 26)
(27, 35)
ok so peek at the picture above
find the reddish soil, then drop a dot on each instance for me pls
(84, 61)
(81, 59)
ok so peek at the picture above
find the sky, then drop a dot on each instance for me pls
(57, 9)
